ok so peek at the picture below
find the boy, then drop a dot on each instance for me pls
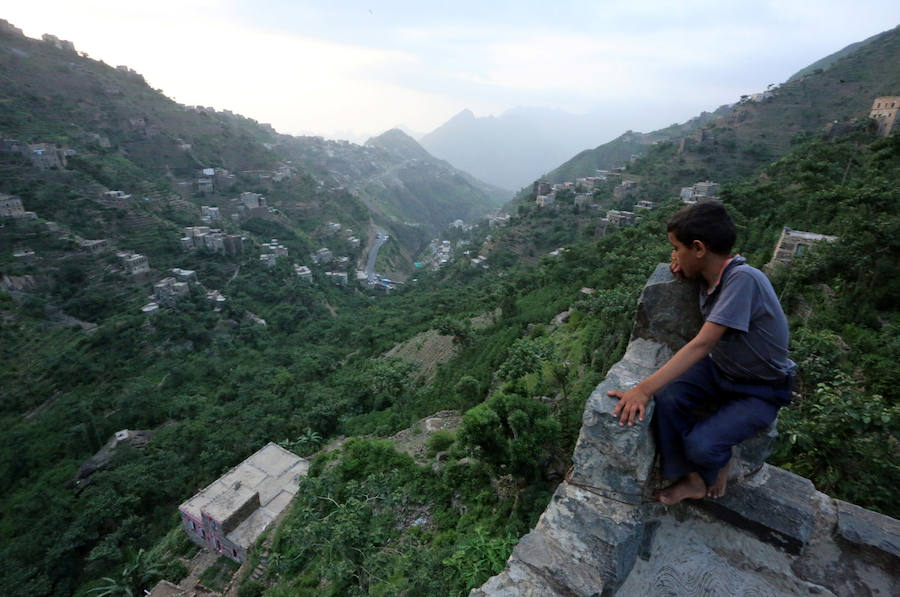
(738, 361)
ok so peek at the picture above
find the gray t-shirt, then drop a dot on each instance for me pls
(754, 348)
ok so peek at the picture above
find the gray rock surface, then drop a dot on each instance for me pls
(772, 534)
(869, 529)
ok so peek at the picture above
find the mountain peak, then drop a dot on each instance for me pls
(396, 141)
(463, 116)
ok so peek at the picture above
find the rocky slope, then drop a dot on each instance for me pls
(772, 534)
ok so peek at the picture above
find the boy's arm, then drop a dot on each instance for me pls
(633, 402)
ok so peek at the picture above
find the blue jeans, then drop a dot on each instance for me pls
(690, 441)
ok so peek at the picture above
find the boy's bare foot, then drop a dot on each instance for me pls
(690, 486)
(717, 489)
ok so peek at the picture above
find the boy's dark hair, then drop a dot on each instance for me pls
(706, 221)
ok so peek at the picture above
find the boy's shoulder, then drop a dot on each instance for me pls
(739, 268)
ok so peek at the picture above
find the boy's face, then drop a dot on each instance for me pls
(685, 259)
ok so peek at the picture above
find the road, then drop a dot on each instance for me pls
(382, 237)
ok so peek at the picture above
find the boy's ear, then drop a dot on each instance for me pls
(699, 248)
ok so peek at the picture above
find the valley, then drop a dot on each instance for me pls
(260, 249)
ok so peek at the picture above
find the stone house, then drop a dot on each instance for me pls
(232, 512)
(95, 246)
(705, 190)
(205, 185)
(252, 200)
(184, 275)
(620, 218)
(118, 195)
(884, 111)
(339, 278)
(545, 200)
(322, 256)
(59, 44)
(303, 272)
(626, 189)
(45, 156)
(793, 243)
(275, 247)
(542, 187)
(135, 263)
(11, 207)
(643, 205)
(223, 179)
(210, 214)
(215, 241)
(167, 290)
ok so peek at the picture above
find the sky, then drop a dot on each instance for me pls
(353, 69)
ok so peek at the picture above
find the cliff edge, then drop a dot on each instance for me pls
(773, 534)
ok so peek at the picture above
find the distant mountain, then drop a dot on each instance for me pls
(516, 147)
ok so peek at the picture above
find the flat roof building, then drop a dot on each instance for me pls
(793, 243)
(232, 512)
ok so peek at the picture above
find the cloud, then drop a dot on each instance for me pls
(342, 66)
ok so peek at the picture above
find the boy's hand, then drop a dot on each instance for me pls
(631, 403)
(675, 267)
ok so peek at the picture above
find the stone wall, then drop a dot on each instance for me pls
(771, 534)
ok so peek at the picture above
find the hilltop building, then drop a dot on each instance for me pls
(59, 44)
(884, 111)
(793, 243)
(231, 513)
(541, 187)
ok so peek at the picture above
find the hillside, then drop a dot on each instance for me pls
(304, 361)
(124, 135)
(620, 151)
(734, 141)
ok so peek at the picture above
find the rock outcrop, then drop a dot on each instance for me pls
(772, 534)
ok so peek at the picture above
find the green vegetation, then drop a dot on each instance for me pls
(214, 386)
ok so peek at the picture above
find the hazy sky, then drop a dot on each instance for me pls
(350, 69)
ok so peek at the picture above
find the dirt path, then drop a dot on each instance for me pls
(197, 566)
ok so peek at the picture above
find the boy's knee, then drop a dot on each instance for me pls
(704, 453)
